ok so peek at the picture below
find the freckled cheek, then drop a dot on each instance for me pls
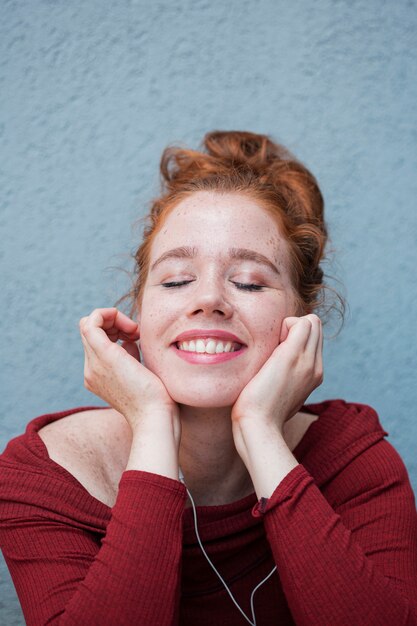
(151, 353)
(266, 334)
(156, 317)
(155, 324)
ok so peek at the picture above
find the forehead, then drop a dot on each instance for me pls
(214, 222)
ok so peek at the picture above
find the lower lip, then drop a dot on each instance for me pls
(202, 358)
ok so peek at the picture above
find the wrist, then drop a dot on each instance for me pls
(266, 455)
(154, 448)
(149, 421)
(255, 430)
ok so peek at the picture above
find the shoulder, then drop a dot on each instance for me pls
(90, 432)
(349, 421)
(65, 468)
(350, 451)
(375, 486)
(343, 431)
(378, 468)
(93, 446)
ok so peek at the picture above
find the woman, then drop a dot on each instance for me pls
(208, 490)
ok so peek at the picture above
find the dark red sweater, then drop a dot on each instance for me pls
(341, 528)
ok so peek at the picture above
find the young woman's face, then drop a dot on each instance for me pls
(217, 292)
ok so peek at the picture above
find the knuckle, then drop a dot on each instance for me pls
(85, 325)
(319, 376)
(85, 330)
(313, 320)
(93, 315)
(99, 312)
(311, 370)
(306, 323)
(88, 379)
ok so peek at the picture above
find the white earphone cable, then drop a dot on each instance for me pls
(253, 623)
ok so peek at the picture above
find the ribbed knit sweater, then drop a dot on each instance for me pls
(341, 528)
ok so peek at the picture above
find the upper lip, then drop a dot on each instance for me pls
(202, 333)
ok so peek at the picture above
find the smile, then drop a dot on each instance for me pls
(209, 345)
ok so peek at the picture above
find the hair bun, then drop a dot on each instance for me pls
(274, 167)
(224, 153)
(247, 159)
(241, 147)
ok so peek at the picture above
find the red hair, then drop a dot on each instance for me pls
(254, 165)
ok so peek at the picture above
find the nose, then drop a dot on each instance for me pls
(209, 299)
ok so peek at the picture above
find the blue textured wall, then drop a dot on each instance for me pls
(91, 91)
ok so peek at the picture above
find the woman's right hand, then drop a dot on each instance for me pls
(114, 373)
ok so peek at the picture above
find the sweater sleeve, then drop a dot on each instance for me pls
(349, 556)
(65, 575)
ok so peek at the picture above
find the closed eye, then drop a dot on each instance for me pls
(175, 283)
(248, 286)
(242, 286)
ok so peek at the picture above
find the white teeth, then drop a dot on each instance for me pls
(200, 346)
(208, 346)
(211, 346)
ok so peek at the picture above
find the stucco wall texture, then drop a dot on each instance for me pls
(92, 91)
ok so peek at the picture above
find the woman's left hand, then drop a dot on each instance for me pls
(284, 382)
(273, 396)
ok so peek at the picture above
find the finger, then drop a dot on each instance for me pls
(296, 331)
(87, 361)
(115, 335)
(315, 337)
(319, 357)
(319, 350)
(86, 346)
(287, 322)
(110, 318)
(90, 356)
(104, 324)
(82, 321)
(314, 348)
(94, 339)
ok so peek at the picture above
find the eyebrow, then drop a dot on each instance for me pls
(244, 254)
(240, 254)
(183, 252)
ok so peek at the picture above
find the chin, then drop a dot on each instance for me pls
(207, 399)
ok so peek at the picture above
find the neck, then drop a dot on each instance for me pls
(213, 471)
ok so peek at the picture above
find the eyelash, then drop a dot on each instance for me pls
(248, 286)
(242, 286)
(175, 284)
